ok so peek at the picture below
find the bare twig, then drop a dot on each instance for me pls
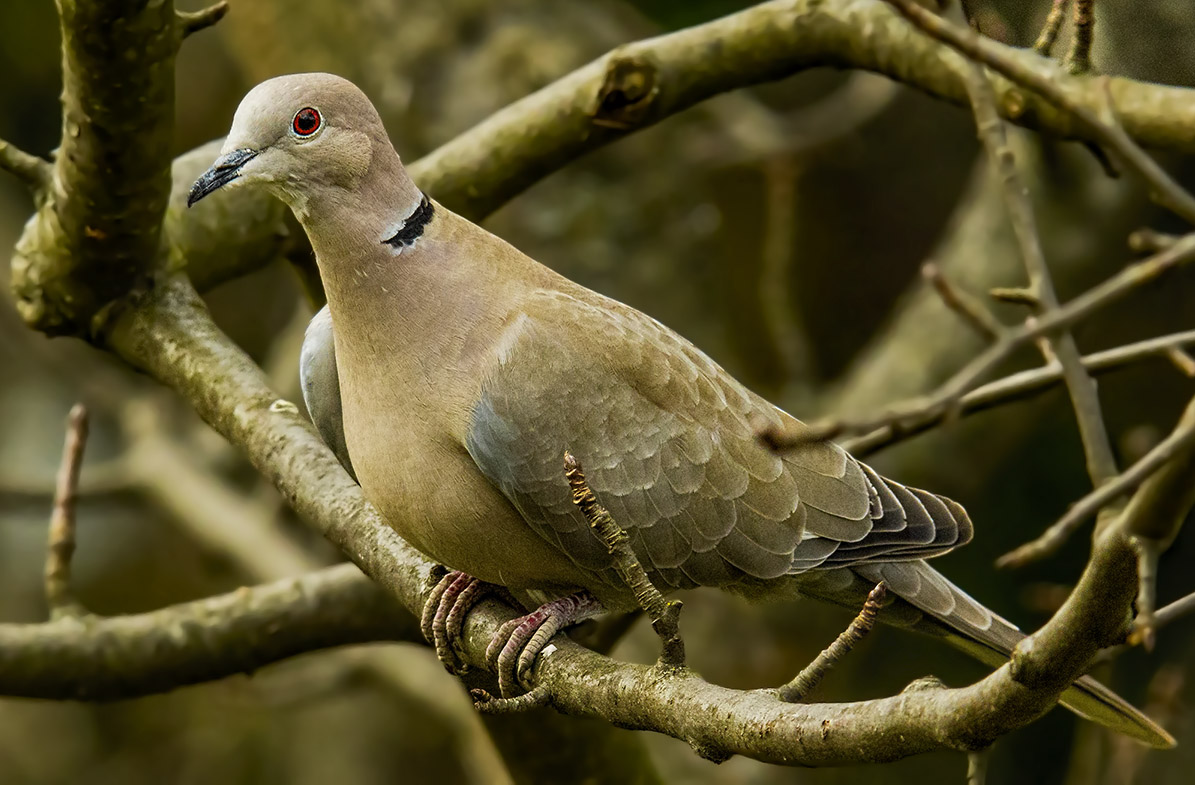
(61, 546)
(812, 674)
(1162, 617)
(977, 767)
(1097, 447)
(1145, 625)
(1026, 383)
(1181, 360)
(1174, 611)
(963, 303)
(34, 172)
(1054, 537)
(1146, 240)
(1105, 130)
(664, 614)
(1014, 295)
(1053, 25)
(914, 413)
(191, 22)
(1078, 59)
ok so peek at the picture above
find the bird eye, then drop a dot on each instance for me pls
(306, 122)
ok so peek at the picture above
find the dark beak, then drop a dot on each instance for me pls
(226, 169)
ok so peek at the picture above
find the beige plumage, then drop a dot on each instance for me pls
(466, 369)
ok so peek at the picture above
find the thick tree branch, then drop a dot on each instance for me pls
(97, 233)
(93, 658)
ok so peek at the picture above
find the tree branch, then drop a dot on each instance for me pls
(191, 22)
(61, 546)
(1101, 464)
(1054, 537)
(34, 172)
(1022, 385)
(96, 235)
(92, 658)
(914, 413)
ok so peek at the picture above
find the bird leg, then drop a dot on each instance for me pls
(517, 643)
(443, 618)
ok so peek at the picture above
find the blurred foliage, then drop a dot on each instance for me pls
(672, 221)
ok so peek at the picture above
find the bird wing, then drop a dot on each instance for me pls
(668, 442)
(320, 382)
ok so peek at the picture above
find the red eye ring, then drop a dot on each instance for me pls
(307, 121)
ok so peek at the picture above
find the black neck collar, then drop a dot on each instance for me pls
(412, 228)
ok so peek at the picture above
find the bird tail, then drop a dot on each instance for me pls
(964, 627)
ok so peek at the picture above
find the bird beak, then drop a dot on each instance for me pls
(226, 169)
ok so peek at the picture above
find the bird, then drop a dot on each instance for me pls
(449, 373)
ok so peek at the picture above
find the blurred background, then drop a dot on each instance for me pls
(781, 229)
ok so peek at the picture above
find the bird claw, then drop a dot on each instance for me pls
(518, 642)
(444, 614)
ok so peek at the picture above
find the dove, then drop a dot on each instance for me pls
(450, 373)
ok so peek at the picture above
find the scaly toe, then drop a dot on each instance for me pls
(447, 605)
(508, 659)
(426, 620)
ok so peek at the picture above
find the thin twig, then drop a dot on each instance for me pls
(1054, 537)
(812, 674)
(1146, 240)
(1181, 360)
(1145, 625)
(1078, 59)
(1014, 295)
(34, 172)
(191, 22)
(1023, 384)
(963, 303)
(1097, 447)
(61, 547)
(1050, 30)
(916, 412)
(977, 767)
(1168, 614)
(664, 614)
(1105, 130)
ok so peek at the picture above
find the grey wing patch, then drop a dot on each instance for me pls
(320, 383)
(668, 442)
(664, 436)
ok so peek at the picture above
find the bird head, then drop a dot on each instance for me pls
(298, 136)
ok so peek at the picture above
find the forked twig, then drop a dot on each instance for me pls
(1054, 537)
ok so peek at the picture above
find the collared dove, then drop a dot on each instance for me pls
(450, 372)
